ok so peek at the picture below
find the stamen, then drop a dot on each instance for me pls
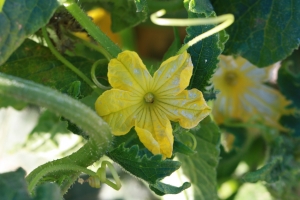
(231, 78)
(149, 97)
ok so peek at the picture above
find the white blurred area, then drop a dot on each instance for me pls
(14, 129)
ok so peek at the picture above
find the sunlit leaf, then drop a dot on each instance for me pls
(205, 53)
(19, 19)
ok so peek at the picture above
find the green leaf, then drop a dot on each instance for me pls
(124, 15)
(205, 53)
(200, 168)
(19, 19)
(72, 89)
(179, 147)
(47, 191)
(292, 122)
(287, 149)
(161, 188)
(201, 7)
(13, 186)
(150, 169)
(269, 173)
(289, 79)
(35, 62)
(141, 5)
(264, 31)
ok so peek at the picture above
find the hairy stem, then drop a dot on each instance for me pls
(75, 111)
(57, 167)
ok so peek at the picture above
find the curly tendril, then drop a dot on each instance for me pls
(93, 74)
(95, 180)
(225, 20)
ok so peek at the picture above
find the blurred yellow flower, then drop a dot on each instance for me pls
(149, 103)
(244, 96)
(103, 20)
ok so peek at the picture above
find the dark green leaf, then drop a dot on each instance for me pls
(13, 186)
(205, 53)
(269, 173)
(150, 169)
(292, 122)
(161, 188)
(124, 15)
(47, 191)
(286, 149)
(19, 19)
(35, 62)
(289, 81)
(201, 167)
(72, 89)
(264, 31)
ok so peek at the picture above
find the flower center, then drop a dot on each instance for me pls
(231, 78)
(149, 97)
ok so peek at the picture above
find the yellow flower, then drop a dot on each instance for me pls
(244, 96)
(149, 103)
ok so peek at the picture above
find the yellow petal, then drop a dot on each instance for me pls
(174, 75)
(148, 140)
(127, 72)
(118, 108)
(188, 108)
(152, 120)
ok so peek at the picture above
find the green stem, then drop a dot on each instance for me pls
(84, 157)
(65, 61)
(58, 167)
(75, 111)
(112, 49)
(67, 183)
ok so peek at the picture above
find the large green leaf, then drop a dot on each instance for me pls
(265, 31)
(19, 19)
(35, 62)
(124, 14)
(200, 168)
(149, 168)
(205, 53)
(14, 187)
